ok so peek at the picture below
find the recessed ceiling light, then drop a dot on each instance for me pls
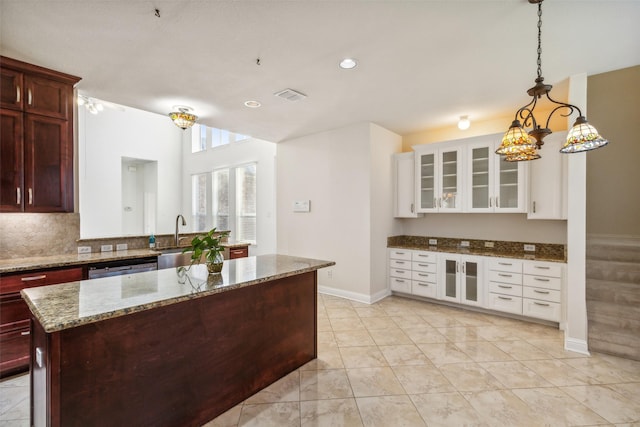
(464, 123)
(348, 63)
(252, 104)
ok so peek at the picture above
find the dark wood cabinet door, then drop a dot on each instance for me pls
(47, 97)
(11, 89)
(11, 155)
(48, 162)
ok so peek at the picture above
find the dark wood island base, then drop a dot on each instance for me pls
(181, 364)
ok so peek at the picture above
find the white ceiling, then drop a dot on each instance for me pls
(421, 64)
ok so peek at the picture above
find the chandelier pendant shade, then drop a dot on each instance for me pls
(520, 145)
(183, 117)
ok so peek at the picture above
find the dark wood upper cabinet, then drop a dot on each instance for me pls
(36, 157)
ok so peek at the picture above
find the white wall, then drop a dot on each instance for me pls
(338, 171)
(104, 139)
(237, 153)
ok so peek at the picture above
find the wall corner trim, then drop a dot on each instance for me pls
(354, 296)
(577, 346)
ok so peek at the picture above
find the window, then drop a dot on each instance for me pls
(233, 201)
(204, 136)
(199, 138)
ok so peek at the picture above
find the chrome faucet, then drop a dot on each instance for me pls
(177, 239)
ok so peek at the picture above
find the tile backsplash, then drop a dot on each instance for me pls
(38, 234)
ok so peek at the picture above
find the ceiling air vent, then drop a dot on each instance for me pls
(290, 95)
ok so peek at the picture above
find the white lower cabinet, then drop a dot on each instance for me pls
(400, 270)
(461, 279)
(542, 290)
(505, 285)
(424, 274)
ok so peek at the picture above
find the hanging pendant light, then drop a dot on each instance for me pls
(183, 117)
(581, 137)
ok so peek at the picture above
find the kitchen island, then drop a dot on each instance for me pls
(169, 347)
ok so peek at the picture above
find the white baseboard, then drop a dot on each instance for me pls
(577, 346)
(354, 296)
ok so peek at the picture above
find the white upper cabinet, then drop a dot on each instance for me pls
(492, 184)
(404, 177)
(548, 181)
(438, 178)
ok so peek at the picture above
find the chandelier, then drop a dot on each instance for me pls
(183, 117)
(520, 145)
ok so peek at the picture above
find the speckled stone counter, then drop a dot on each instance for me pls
(72, 304)
(501, 249)
(15, 265)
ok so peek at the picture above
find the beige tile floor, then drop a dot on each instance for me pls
(401, 362)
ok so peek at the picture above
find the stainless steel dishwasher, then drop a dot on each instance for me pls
(121, 267)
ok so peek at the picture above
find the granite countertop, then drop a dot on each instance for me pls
(15, 265)
(64, 306)
(482, 252)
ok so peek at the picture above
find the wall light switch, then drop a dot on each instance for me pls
(106, 248)
(464, 243)
(302, 206)
(530, 248)
(121, 247)
(84, 249)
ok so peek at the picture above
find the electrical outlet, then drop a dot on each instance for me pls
(488, 244)
(464, 244)
(121, 247)
(84, 249)
(530, 248)
(330, 274)
(433, 242)
(106, 248)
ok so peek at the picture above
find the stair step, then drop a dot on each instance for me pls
(623, 249)
(618, 317)
(613, 292)
(614, 271)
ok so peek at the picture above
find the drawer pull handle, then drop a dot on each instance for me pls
(505, 298)
(541, 267)
(540, 279)
(31, 278)
(400, 271)
(399, 280)
(24, 333)
(505, 275)
(423, 255)
(505, 287)
(423, 265)
(399, 253)
(504, 263)
(423, 275)
(423, 284)
(540, 303)
(541, 292)
(399, 262)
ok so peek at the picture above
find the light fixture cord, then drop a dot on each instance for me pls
(540, 39)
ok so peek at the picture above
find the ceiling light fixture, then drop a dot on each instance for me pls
(252, 104)
(464, 123)
(183, 116)
(348, 63)
(518, 145)
(92, 105)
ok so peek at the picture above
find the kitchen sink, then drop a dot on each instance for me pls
(173, 257)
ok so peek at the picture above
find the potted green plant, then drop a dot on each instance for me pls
(208, 246)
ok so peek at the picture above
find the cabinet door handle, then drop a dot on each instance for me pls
(31, 278)
(497, 202)
(540, 303)
(534, 207)
(464, 268)
(30, 196)
(18, 196)
(23, 333)
(435, 202)
(540, 279)
(29, 97)
(18, 94)
(541, 292)
(457, 267)
(504, 275)
(412, 208)
(505, 298)
(490, 202)
(505, 287)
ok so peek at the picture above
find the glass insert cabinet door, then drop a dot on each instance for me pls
(480, 178)
(450, 161)
(471, 293)
(451, 283)
(508, 194)
(427, 184)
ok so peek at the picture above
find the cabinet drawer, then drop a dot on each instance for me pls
(396, 263)
(424, 256)
(548, 269)
(422, 276)
(541, 294)
(509, 265)
(424, 266)
(14, 351)
(423, 289)
(13, 312)
(239, 253)
(541, 309)
(400, 273)
(542, 282)
(505, 288)
(13, 283)
(404, 254)
(503, 277)
(400, 285)
(510, 304)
